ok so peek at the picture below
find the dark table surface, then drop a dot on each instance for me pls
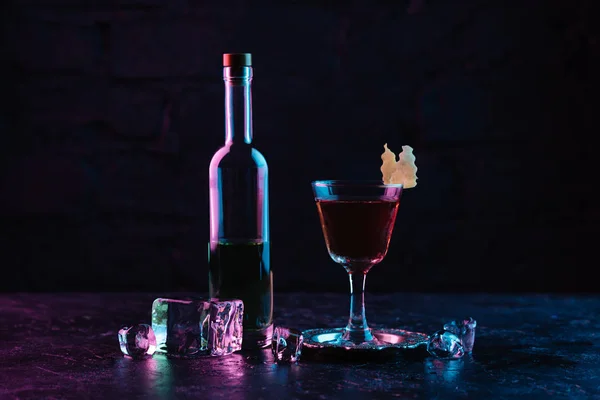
(63, 346)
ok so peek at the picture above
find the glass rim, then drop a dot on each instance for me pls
(359, 182)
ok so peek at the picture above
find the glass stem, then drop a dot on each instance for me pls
(357, 330)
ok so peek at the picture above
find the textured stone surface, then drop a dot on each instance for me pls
(534, 346)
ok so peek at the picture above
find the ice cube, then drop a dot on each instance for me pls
(225, 333)
(189, 327)
(286, 345)
(445, 344)
(181, 325)
(137, 341)
(465, 330)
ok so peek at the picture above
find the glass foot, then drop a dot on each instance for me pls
(330, 342)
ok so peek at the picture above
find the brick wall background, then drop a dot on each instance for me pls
(111, 111)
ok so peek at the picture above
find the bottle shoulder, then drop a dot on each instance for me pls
(238, 155)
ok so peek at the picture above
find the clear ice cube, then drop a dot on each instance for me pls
(225, 333)
(445, 344)
(137, 341)
(286, 345)
(465, 330)
(189, 327)
(181, 325)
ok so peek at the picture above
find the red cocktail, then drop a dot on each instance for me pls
(357, 232)
(357, 220)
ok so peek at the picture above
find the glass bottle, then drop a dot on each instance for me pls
(239, 249)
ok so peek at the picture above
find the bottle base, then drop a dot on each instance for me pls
(257, 338)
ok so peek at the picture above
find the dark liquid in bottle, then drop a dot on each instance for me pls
(242, 271)
(357, 231)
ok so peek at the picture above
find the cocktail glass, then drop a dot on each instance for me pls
(357, 218)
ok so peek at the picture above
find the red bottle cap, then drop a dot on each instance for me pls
(237, 60)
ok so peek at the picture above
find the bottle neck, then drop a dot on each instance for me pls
(238, 104)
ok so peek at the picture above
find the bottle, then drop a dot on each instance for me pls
(239, 249)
